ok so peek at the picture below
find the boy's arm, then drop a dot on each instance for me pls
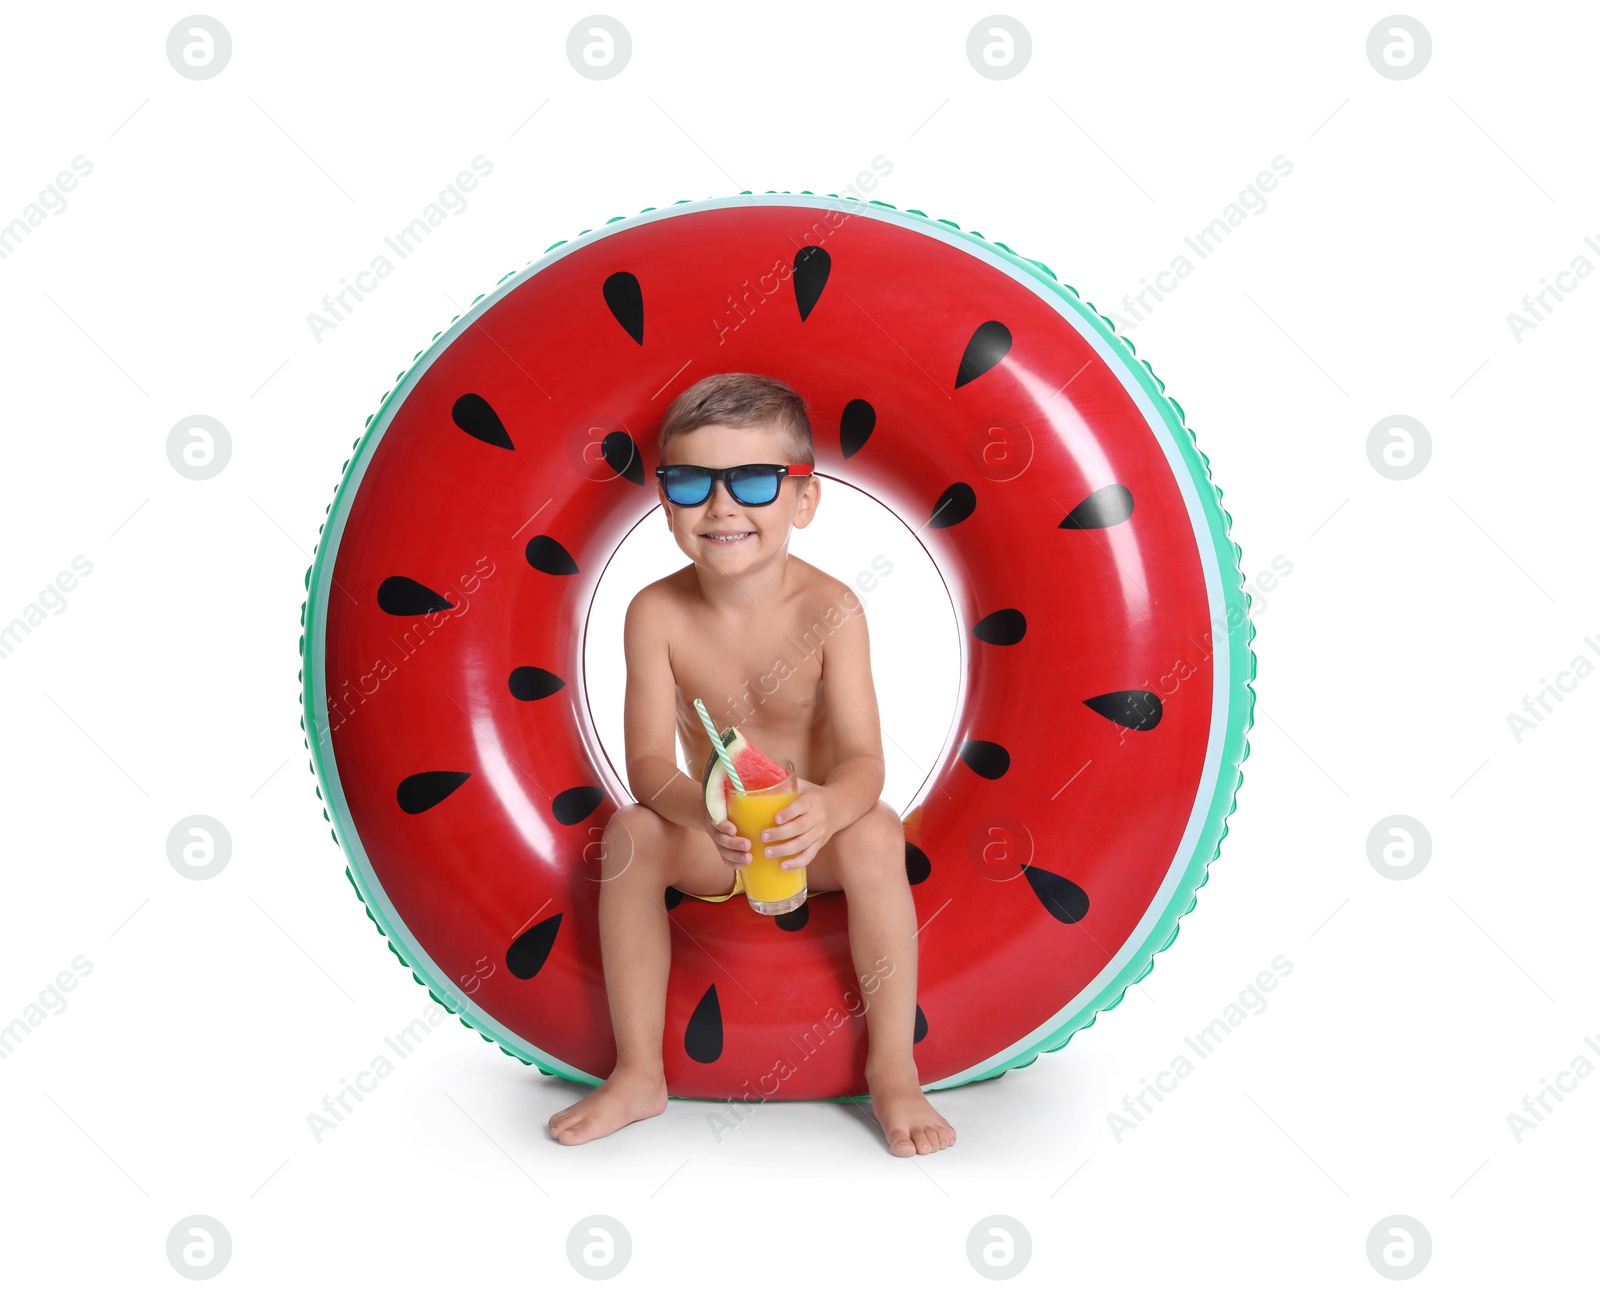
(856, 782)
(649, 717)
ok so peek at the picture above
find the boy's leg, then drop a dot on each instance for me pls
(635, 943)
(635, 948)
(642, 854)
(866, 860)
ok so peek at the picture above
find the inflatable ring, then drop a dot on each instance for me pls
(1085, 785)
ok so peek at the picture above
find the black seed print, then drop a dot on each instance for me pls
(955, 505)
(702, 1039)
(626, 302)
(795, 919)
(987, 348)
(855, 426)
(476, 417)
(921, 1030)
(1063, 899)
(621, 454)
(987, 759)
(811, 268)
(576, 804)
(1106, 507)
(547, 554)
(529, 951)
(530, 683)
(674, 898)
(419, 792)
(1132, 709)
(918, 865)
(402, 596)
(1007, 626)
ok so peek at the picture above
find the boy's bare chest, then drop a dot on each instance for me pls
(782, 663)
(766, 679)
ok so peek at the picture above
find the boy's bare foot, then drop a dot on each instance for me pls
(908, 1119)
(624, 1097)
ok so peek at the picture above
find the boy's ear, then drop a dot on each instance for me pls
(810, 497)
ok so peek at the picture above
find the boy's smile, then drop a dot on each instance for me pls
(725, 524)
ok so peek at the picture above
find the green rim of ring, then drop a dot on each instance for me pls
(1240, 685)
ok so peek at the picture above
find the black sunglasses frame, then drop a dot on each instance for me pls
(725, 476)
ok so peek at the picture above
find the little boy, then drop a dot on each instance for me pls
(729, 617)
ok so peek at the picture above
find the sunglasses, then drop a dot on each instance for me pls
(689, 485)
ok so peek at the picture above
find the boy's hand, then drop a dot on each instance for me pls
(804, 825)
(733, 848)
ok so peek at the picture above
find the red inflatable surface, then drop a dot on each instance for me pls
(445, 639)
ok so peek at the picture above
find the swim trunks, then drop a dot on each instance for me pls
(738, 889)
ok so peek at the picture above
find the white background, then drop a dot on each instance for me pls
(1418, 613)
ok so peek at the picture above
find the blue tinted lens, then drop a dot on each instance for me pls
(758, 485)
(686, 484)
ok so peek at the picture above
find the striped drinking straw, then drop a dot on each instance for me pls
(716, 742)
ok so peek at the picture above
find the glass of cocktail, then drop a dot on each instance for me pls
(770, 888)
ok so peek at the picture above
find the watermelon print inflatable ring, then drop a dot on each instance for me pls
(1105, 695)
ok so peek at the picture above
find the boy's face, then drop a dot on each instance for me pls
(764, 527)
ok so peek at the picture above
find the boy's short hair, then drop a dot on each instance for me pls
(742, 400)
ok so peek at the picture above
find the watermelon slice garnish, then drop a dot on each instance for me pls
(756, 770)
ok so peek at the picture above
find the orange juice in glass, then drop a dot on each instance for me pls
(771, 888)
